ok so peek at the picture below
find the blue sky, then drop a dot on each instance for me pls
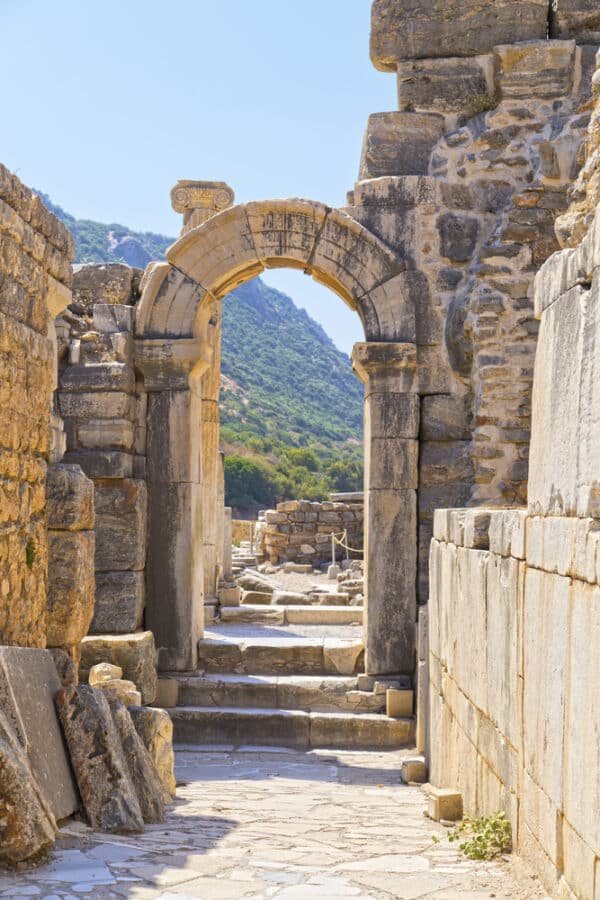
(114, 100)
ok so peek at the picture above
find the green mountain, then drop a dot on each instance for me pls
(291, 408)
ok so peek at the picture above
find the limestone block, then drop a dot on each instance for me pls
(102, 672)
(106, 283)
(64, 665)
(107, 376)
(112, 318)
(102, 463)
(399, 143)
(173, 435)
(578, 19)
(507, 532)
(450, 85)
(392, 462)
(121, 523)
(342, 657)
(282, 598)
(69, 498)
(28, 687)
(119, 606)
(445, 462)
(285, 229)
(254, 597)
(393, 415)
(115, 434)
(167, 695)
(253, 581)
(135, 654)
(122, 690)
(28, 827)
(398, 703)
(155, 728)
(413, 770)
(582, 715)
(405, 29)
(444, 803)
(445, 417)
(107, 790)
(538, 69)
(151, 793)
(70, 602)
(545, 623)
(96, 405)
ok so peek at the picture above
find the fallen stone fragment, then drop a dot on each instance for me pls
(152, 794)
(155, 728)
(120, 689)
(107, 790)
(102, 672)
(290, 598)
(27, 826)
(252, 581)
(134, 653)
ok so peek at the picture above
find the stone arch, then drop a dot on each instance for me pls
(177, 351)
(239, 243)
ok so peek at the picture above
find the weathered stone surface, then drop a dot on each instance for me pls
(121, 522)
(282, 598)
(103, 672)
(108, 283)
(151, 793)
(450, 85)
(122, 690)
(252, 581)
(445, 417)
(155, 728)
(70, 586)
(64, 665)
(399, 143)
(27, 826)
(539, 69)
(342, 657)
(69, 498)
(407, 29)
(119, 606)
(578, 19)
(135, 654)
(28, 686)
(458, 236)
(107, 790)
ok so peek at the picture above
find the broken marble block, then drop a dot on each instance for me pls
(107, 790)
(155, 728)
(134, 653)
(28, 685)
(103, 672)
(151, 792)
(27, 826)
(121, 689)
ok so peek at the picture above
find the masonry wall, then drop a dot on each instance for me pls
(514, 610)
(104, 413)
(35, 275)
(300, 530)
(465, 179)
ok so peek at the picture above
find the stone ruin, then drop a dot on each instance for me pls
(113, 535)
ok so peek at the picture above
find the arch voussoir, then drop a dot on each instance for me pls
(286, 231)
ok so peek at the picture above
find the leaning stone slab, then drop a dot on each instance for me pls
(134, 653)
(27, 826)
(155, 728)
(151, 793)
(107, 790)
(28, 685)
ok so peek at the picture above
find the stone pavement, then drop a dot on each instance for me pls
(265, 822)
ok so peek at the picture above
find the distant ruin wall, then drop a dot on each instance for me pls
(35, 275)
(300, 530)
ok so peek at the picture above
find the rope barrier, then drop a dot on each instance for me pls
(344, 534)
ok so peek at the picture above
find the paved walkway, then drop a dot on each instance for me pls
(289, 825)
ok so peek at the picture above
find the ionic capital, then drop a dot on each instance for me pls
(199, 201)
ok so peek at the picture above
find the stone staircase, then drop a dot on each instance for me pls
(286, 676)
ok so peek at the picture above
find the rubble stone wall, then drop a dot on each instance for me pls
(35, 277)
(104, 414)
(466, 180)
(300, 530)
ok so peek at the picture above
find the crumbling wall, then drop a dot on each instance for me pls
(300, 530)
(465, 180)
(514, 611)
(104, 413)
(35, 277)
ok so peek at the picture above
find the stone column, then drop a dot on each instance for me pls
(173, 372)
(389, 374)
(227, 545)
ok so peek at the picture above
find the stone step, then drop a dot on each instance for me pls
(259, 614)
(277, 655)
(288, 728)
(311, 693)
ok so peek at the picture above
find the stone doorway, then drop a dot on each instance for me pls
(177, 352)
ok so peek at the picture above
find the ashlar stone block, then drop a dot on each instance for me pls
(69, 498)
(399, 143)
(121, 524)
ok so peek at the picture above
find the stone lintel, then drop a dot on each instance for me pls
(386, 367)
(172, 363)
(199, 201)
